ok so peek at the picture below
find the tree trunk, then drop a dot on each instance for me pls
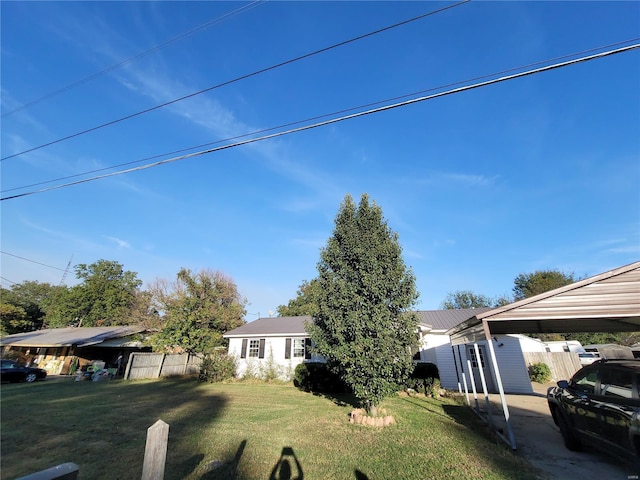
(373, 410)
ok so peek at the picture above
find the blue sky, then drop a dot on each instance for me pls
(540, 172)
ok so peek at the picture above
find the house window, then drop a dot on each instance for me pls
(254, 348)
(298, 347)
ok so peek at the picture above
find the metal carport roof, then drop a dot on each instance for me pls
(608, 302)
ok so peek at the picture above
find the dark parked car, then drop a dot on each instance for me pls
(600, 406)
(11, 371)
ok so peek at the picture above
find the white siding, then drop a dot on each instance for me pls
(513, 370)
(529, 344)
(436, 348)
(274, 357)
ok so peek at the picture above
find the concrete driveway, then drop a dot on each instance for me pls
(538, 440)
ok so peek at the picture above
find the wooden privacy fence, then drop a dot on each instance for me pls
(156, 365)
(562, 364)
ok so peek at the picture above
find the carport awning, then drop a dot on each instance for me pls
(608, 302)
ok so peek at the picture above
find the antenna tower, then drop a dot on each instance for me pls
(64, 275)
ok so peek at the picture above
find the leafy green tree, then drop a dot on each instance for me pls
(305, 303)
(197, 309)
(528, 285)
(364, 326)
(13, 319)
(463, 299)
(105, 296)
(34, 298)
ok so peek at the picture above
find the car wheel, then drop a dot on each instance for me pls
(568, 435)
(31, 377)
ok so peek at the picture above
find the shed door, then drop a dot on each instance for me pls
(476, 364)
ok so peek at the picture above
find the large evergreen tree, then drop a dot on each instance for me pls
(363, 324)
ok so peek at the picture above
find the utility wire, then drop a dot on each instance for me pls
(237, 79)
(32, 261)
(132, 59)
(7, 280)
(318, 117)
(343, 118)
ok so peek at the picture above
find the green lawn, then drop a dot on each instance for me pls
(242, 431)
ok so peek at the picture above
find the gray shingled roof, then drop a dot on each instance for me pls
(64, 337)
(436, 319)
(271, 326)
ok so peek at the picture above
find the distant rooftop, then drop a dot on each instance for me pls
(272, 326)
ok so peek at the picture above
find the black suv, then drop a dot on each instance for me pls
(600, 406)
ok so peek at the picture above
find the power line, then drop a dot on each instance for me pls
(318, 117)
(132, 59)
(237, 79)
(32, 261)
(7, 280)
(343, 118)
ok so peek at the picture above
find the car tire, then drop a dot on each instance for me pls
(31, 377)
(568, 435)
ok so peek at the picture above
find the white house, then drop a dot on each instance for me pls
(280, 344)
(275, 344)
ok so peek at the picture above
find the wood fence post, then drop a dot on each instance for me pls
(186, 364)
(128, 369)
(161, 364)
(155, 452)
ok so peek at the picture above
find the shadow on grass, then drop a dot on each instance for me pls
(102, 426)
(341, 399)
(223, 469)
(287, 467)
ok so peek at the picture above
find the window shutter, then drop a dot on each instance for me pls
(261, 350)
(287, 348)
(243, 350)
(307, 348)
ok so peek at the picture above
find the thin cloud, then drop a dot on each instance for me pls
(452, 179)
(121, 243)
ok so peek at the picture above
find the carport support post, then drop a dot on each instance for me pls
(455, 362)
(484, 384)
(464, 376)
(503, 400)
(473, 384)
